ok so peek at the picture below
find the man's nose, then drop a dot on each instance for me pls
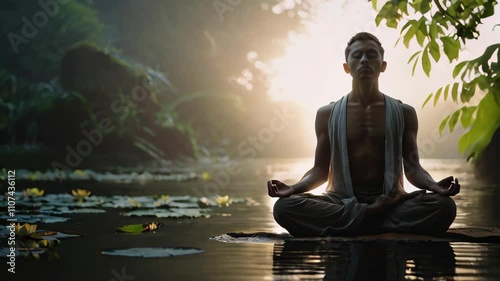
(364, 59)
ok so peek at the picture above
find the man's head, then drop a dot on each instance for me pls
(364, 57)
(363, 36)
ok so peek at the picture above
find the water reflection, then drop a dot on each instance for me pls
(364, 261)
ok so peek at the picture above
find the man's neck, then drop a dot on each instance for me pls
(365, 92)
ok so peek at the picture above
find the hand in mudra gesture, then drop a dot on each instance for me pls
(276, 188)
(447, 187)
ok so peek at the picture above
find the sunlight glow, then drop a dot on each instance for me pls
(310, 72)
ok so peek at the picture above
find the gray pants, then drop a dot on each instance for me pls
(306, 215)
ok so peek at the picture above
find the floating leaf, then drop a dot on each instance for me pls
(63, 234)
(173, 213)
(37, 218)
(65, 210)
(158, 252)
(139, 228)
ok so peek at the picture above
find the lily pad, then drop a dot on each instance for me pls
(171, 213)
(65, 210)
(155, 252)
(63, 234)
(37, 218)
(139, 228)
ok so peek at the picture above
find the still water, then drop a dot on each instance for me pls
(80, 258)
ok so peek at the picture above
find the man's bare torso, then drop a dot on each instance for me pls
(366, 144)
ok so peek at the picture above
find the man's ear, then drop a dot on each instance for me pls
(346, 68)
(384, 66)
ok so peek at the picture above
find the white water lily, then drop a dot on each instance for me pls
(222, 201)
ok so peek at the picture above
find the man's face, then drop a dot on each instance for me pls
(364, 60)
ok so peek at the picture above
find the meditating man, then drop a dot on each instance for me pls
(363, 142)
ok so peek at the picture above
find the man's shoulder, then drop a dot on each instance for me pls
(325, 110)
(323, 114)
(407, 109)
(404, 106)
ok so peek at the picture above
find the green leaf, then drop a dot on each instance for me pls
(487, 121)
(458, 68)
(426, 62)
(438, 94)
(414, 67)
(392, 23)
(413, 56)
(408, 36)
(397, 41)
(427, 99)
(451, 47)
(434, 49)
(138, 228)
(407, 24)
(403, 6)
(454, 120)
(446, 90)
(420, 37)
(454, 92)
(433, 30)
(425, 6)
(443, 124)
(374, 4)
(485, 57)
(440, 29)
(468, 91)
(383, 13)
(488, 10)
(467, 112)
(131, 228)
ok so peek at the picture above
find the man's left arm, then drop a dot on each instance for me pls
(414, 172)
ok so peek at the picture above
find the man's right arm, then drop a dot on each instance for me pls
(319, 173)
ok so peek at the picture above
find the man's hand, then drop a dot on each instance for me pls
(447, 187)
(276, 188)
(384, 203)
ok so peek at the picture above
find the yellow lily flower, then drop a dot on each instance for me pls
(80, 194)
(25, 229)
(33, 192)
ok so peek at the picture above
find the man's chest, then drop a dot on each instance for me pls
(366, 123)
